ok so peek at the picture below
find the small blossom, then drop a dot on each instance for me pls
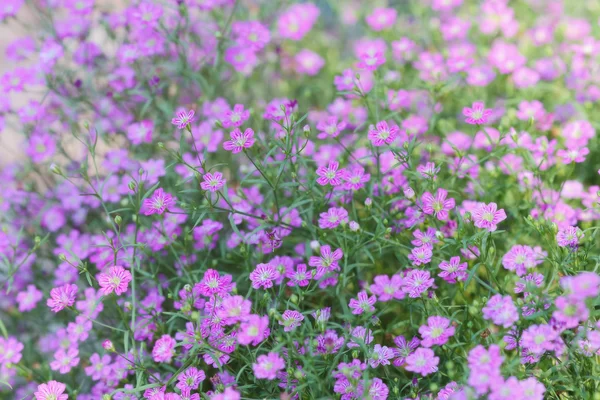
(477, 114)
(183, 119)
(158, 203)
(487, 216)
(117, 280)
(423, 361)
(290, 320)
(363, 303)
(267, 366)
(437, 331)
(437, 206)
(382, 134)
(239, 141)
(61, 297)
(212, 181)
(330, 175)
(164, 349)
(52, 390)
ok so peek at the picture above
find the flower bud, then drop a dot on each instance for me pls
(354, 226)
(118, 220)
(108, 346)
(409, 193)
(315, 246)
(368, 202)
(55, 169)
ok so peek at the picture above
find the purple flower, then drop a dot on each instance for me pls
(330, 174)
(477, 114)
(263, 276)
(453, 270)
(267, 366)
(437, 331)
(423, 361)
(382, 134)
(62, 297)
(290, 320)
(487, 216)
(158, 203)
(416, 283)
(333, 217)
(363, 303)
(239, 141)
(212, 181)
(183, 119)
(437, 206)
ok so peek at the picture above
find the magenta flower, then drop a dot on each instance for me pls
(62, 297)
(362, 304)
(290, 320)
(267, 366)
(477, 114)
(382, 134)
(501, 310)
(437, 331)
(254, 330)
(239, 141)
(116, 280)
(164, 349)
(158, 202)
(234, 309)
(212, 181)
(437, 206)
(190, 379)
(214, 284)
(327, 262)
(423, 361)
(65, 360)
(10, 351)
(416, 282)
(453, 270)
(573, 154)
(263, 276)
(404, 349)
(387, 289)
(52, 390)
(330, 128)
(29, 298)
(421, 255)
(487, 216)
(183, 119)
(330, 174)
(371, 61)
(569, 236)
(356, 178)
(333, 217)
(381, 355)
(300, 277)
(235, 117)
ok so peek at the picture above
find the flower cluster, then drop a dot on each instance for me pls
(226, 200)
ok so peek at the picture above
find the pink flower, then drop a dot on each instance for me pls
(254, 330)
(267, 366)
(52, 390)
(453, 270)
(290, 320)
(61, 297)
(421, 255)
(10, 351)
(362, 304)
(263, 276)
(299, 277)
(437, 331)
(234, 309)
(214, 284)
(297, 20)
(140, 132)
(423, 361)
(236, 117)
(239, 141)
(308, 62)
(212, 181)
(381, 18)
(333, 217)
(330, 174)
(381, 355)
(569, 236)
(228, 394)
(164, 349)
(158, 202)
(438, 205)
(28, 299)
(117, 280)
(65, 360)
(382, 134)
(190, 379)
(573, 154)
(183, 119)
(487, 216)
(330, 127)
(371, 61)
(501, 310)
(387, 289)
(416, 282)
(478, 114)
(327, 262)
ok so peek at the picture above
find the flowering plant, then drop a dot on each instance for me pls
(246, 199)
